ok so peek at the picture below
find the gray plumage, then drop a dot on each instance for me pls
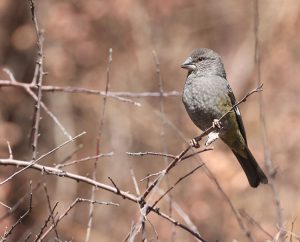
(207, 96)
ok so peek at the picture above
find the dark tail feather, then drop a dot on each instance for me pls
(253, 172)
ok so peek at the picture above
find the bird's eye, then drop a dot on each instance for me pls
(201, 58)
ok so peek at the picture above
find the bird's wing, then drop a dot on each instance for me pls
(238, 113)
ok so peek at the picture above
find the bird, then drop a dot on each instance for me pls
(207, 96)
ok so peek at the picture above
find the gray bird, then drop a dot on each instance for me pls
(207, 96)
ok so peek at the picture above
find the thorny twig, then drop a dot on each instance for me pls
(33, 162)
(76, 201)
(50, 216)
(38, 81)
(267, 152)
(9, 232)
(84, 159)
(98, 146)
(125, 195)
(51, 210)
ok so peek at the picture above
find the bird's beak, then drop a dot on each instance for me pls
(188, 64)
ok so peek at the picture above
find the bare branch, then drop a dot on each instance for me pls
(99, 136)
(76, 201)
(9, 150)
(84, 159)
(38, 81)
(151, 153)
(267, 152)
(50, 216)
(9, 232)
(178, 181)
(51, 210)
(31, 163)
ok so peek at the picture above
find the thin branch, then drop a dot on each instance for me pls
(125, 195)
(76, 201)
(267, 152)
(9, 232)
(178, 224)
(47, 111)
(9, 150)
(136, 186)
(98, 146)
(236, 213)
(178, 181)
(33, 162)
(255, 223)
(4, 205)
(50, 216)
(151, 153)
(180, 212)
(19, 202)
(84, 159)
(118, 95)
(51, 210)
(69, 156)
(37, 81)
(61, 173)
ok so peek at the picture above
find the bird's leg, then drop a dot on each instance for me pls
(194, 143)
(217, 124)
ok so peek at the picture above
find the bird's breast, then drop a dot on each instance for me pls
(202, 98)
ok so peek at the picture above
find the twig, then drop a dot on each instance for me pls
(125, 195)
(58, 172)
(84, 159)
(151, 153)
(77, 200)
(171, 156)
(19, 202)
(69, 156)
(178, 181)
(180, 212)
(37, 81)
(267, 152)
(9, 150)
(99, 136)
(33, 162)
(254, 222)
(51, 211)
(176, 223)
(164, 172)
(236, 213)
(137, 190)
(9, 232)
(162, 128)
(50, 216)
(4, 205)
(118, 95)
(47, 111)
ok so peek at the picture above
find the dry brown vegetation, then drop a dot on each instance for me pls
(108, 91)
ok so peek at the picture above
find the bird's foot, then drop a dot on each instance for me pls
(194, 143)
(216, 124)
(212, 136)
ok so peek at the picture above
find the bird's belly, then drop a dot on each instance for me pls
(202, 105)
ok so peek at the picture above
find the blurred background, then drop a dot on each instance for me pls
(78, 35)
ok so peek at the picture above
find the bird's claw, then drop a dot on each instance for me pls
(216, 124)
(194, 143)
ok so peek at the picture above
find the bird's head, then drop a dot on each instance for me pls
(204, 61)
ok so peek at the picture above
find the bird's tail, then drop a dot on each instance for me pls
(253, 172)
